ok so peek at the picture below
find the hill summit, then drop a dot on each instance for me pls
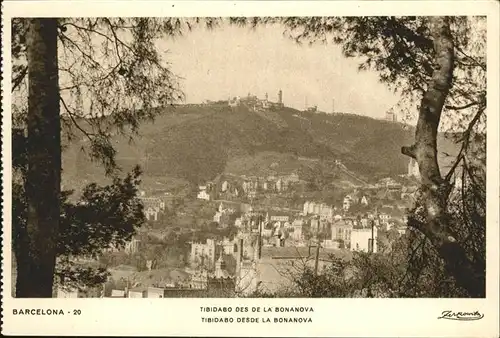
(198, 142)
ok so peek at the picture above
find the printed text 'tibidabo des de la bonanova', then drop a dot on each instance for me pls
(244, 314)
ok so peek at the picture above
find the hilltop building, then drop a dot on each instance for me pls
(312, 109)
(256, 104)
(390, 116)
(280, 98)
(341, 233)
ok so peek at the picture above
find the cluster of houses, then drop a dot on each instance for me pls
(391, 116)
(317, 221)
(246, 186)
(267, 243)
(268, 238)
(226, 213)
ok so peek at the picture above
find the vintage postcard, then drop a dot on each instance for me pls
(283, 168)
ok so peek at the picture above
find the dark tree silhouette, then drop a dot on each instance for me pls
(108, 76)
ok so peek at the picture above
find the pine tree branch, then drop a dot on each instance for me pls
(71, 115)
(19, 78)
(409, 151)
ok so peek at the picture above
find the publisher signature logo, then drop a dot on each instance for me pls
(465, 316)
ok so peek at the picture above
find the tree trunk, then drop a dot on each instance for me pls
(43, 179)
(435, 190)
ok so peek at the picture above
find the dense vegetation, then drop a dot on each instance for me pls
(198, 142)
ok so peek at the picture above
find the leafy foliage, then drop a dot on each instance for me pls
(104, 217)
(112, 76)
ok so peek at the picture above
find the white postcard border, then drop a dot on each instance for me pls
(331, 317)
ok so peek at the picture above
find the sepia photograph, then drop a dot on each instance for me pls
(249, 157)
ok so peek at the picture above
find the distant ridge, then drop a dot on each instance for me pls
(196, 142)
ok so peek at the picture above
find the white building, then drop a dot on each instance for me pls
(277, 217)
(305, 210)
(245, 186)
(310, 208)
(364, 239)
(132, 247)
(203, 253)
(137, 293)
(279, 185)
(199, 280)
(326, 212)
(330, 244)
(238, 222)
(347, 202)
(228, 247)
(118, 293)
(364, 200)
(296, 232)
(413, 170)
(384, 218)
(151, 214)
(153, 292)
(314, 225)
(67, 293)
(203, 195)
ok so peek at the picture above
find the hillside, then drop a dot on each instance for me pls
(195, 143)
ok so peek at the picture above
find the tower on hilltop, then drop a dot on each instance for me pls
(280, 97)
(390, 116)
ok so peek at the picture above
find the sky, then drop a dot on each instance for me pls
(232, 61)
